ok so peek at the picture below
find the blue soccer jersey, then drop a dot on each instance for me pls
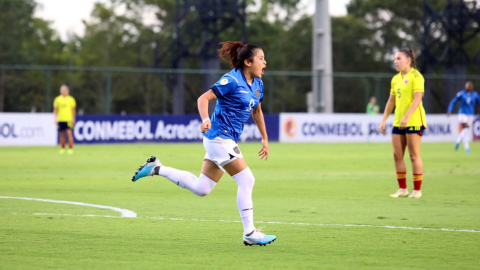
(467, 102)
(235, 101)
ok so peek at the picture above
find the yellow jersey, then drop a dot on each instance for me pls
(64, 106)
(403, 89)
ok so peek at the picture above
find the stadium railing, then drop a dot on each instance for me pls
(111, 90)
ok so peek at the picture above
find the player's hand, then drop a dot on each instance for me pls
(382, 128)
(263, 153)
(206, 126)
(73, 122)
(55, 121)
(404, 122)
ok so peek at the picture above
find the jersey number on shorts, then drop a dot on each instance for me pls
(250, 106)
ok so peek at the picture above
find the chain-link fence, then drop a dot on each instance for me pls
(150, 91)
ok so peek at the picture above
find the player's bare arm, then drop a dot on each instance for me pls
(257, 115)
(73, 116)
(55, 115)
(202, 103)
(388, 110)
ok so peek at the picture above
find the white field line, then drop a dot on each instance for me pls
(131, 214)
(274, 222)
(329, 225)
(124, 212)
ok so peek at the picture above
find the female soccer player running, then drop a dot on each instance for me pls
(406, 96)
(467, 98)
(239, 94)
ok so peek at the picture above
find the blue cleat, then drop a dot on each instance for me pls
(467, 150)
(258, 238)
(457, 145)
(147, 169)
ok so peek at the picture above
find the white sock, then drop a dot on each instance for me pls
(199, 186)
(245, 181)
(466, 138)
(460, 136)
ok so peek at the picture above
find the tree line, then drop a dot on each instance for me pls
(364, 40)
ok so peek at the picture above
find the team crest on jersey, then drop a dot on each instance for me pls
(406, 81)
(257, 92)
(224, 82)
(236, 150)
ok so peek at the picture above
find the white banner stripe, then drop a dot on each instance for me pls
(351, 127)
(27, 129)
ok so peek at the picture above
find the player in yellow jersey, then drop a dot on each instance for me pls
(406, 95)
(64, 112)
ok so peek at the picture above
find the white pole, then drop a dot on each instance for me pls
(321, 97)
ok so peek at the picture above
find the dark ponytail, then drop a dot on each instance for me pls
(410, 54)
(235, 53)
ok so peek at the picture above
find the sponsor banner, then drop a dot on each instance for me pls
(303, 127)
(32, 129)
(156, 128)
(476, 128)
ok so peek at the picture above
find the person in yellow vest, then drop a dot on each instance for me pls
(64, 113)
(372, 107)
(406, 93)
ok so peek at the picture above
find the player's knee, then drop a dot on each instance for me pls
(203, 192)
(245, 179)
(252, 182)
(397, 156)
(414, 157)
(245, 189)
(204, 186)
(249, 180)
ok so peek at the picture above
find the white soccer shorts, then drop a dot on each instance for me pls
(221, 151)
(466, 119)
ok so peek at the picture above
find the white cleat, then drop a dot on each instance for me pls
(416, 194)
(258, 238)
(147, 169)
(400, 193)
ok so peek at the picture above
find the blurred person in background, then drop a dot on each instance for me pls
(406, 93)
(467, 98)
(64, 115)
(239, 94)
(372, 107)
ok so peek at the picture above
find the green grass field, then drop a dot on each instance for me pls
(312, 191)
